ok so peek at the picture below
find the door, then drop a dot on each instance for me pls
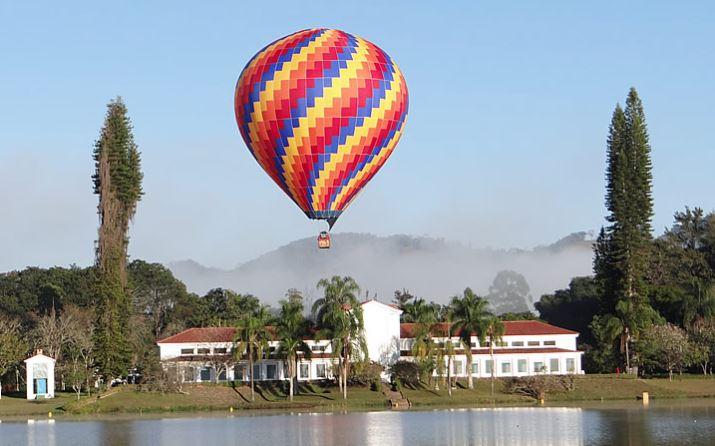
(41, 386)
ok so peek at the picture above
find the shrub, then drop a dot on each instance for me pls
(427, 367)
(406, 373)
(376, 385)
(538, 386)
(364, 373)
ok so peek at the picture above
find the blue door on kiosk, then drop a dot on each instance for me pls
(41, 386)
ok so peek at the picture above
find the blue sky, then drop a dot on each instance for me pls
(504, 145)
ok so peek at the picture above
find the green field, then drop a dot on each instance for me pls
(313, 397)
(16, 405)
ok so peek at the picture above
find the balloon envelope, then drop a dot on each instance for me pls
(321, 111)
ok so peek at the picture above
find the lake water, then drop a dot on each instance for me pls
(690, 423)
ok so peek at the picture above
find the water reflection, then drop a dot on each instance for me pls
(502, 426)
(40, 432)
(693, 425)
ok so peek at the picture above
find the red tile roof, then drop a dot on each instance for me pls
(517, 328)
(217, 334)
(511, 328)
(204, 334)
(227, 334)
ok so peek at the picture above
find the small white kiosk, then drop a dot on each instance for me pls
(40, 376)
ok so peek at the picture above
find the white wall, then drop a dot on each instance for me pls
(382, 332)
(49, 365)
(171, 351)
(512, 359)
(564, 341)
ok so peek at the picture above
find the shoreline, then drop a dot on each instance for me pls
(612, 404)
(591, 390)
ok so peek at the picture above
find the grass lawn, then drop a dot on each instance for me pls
(612, 387)
(320, 398)
(462, 396)
(15, 404)
(223, 397)
(587, 388)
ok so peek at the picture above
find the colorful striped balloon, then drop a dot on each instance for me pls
(321, 111)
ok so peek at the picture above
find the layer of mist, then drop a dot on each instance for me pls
(431, 268)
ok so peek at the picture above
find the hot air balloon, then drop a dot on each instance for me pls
(321, 110)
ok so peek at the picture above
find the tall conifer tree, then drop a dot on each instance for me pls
(622, 249)
(117, 181)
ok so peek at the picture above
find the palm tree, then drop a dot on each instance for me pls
(699, 303)
(419, 311)
(625, 325)
(422, 349)
(424, 316)
(494, 331)
(446, 348)
(290, 329)
(339, 315)
(438, 352)
(470, 315)
(449, 351)
(252, 339)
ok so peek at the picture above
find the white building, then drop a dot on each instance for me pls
(527, 348)
(382, 332)
(40, 377)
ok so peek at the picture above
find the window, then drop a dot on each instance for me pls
(220, 351)
(304, 371)
(475, 368)
(271, 371)
(317, 348)
(554, 364)
(457, 368)
(487, 343)
(205, 374)
(538, 367)
(570, 365)
(517, 344)
(488, 366)
(521, 366)
(187, 351)
(549, 342)
(474, 345)
(502, 344)
(222, 375)
(533, 343)
(320, 371)
(239, 372)
(204, 351)
(256, 371)
(506, 367)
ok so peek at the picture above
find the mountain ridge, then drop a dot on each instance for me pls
(434, 268)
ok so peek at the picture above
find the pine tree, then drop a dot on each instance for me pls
(616, 203)
(117, 182)
(622, 249)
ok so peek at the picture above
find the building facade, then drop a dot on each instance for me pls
(526, 348)
(40, 376)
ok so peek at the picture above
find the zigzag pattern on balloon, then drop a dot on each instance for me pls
(321, 111)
